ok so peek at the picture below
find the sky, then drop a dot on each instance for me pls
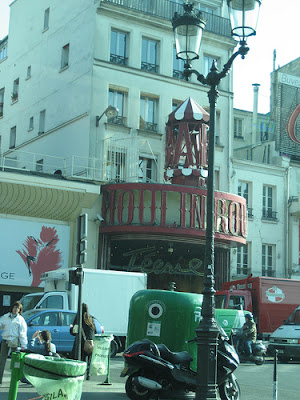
(278, 28)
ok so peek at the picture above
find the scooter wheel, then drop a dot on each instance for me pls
(136, 392)
(230, 390)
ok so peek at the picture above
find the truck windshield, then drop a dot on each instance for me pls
(220, 300)
(29, 302)
(294, 319)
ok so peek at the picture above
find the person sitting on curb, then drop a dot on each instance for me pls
(249, 333)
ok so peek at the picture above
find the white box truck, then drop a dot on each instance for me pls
(107, 294)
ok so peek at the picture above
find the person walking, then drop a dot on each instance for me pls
(87, 333)
(14, 334)
(249, 333)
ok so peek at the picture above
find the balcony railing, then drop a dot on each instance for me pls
(148, 126)
(269, 214)
(116, 59)
(165, 9)
(178, 74)
(268, 272)
(119, 120)
(149, 67)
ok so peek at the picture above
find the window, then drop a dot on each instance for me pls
(147, 169)
(238, 128)
(268, 260)
(1, 101)
(148, 117)
(42, 122)
(12, 139)
(117, 99)
(242, 260)
(67, 318)
(116, 164)
(178, 66)
(28, 72)
(207, 63)
(175, 104)
(46, 18)
(118, 47)
(30, 124)
(268, 202)
(149, 55)
(236, 302)
(3, 52)
(54, 301)
(15, 92)
(245, 190)
(39, 166)
(65, 56)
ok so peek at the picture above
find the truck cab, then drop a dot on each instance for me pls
(55, 300)
(235, 300)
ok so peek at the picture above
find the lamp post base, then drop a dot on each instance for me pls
(207, 335)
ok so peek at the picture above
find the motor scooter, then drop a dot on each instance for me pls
(155, 372)
(259, 350)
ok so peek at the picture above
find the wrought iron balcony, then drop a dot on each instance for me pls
(148, 126)
(268, 272)
(116, 59)
(165, 9)
(269, 214)
(149, 67)
(119, 120)
(250, 212)
(178, 74)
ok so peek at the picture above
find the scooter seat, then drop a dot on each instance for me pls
(181, 357)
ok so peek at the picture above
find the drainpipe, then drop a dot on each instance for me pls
(254, 118)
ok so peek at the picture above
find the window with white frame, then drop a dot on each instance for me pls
(46, 18)
(42, 122)
(207, 63)
(268, 260)
(12, 138)
(65, 52)
(3, 52)
(238, 128)
(118, 99)
(245, 190)
(268, 210)
(148, 116)
(147, 169)
(116, 164)
(1, 101)
(243, 260)
(150, 55)
(118, 47)
(178, 66)
(175, 104)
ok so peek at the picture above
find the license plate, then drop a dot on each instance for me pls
(280, 351)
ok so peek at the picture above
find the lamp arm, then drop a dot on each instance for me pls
(188, 72)
(243, 50)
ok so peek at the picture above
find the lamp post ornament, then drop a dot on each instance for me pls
(188, 30)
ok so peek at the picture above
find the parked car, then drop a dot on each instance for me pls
(286, 339)
(58, 323)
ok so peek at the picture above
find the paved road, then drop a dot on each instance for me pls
(256, 383)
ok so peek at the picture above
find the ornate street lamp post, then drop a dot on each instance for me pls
(188, 30)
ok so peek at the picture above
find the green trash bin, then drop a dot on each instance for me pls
(165, 317)
(55, 377)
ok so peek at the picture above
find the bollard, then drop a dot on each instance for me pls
(275, 380)
(16, 366)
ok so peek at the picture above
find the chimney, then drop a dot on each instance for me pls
(255, 107)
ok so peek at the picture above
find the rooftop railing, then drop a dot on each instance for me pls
(165, 9)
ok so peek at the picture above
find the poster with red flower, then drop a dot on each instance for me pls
(31, 249)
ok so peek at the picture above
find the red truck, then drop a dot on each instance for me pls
(270, 300)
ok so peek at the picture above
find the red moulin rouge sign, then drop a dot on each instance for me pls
(172, 210)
